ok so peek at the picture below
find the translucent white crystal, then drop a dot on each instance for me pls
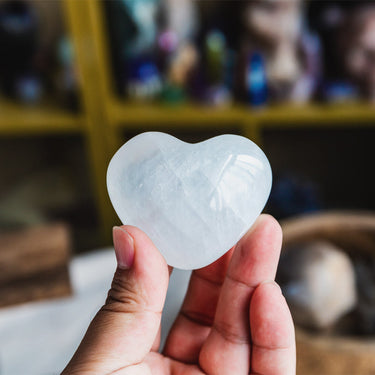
(194, 201)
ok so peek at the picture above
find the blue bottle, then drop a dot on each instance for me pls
(256, 81)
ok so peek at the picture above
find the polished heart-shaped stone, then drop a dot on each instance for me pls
(195, 201)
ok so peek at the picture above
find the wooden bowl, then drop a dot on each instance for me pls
(322, 354)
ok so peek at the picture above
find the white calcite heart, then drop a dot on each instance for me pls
(195, 201)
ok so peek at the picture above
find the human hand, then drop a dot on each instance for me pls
(233, 321)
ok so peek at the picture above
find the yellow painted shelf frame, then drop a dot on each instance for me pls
(16, 119)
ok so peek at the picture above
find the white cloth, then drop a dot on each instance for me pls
(40, 338)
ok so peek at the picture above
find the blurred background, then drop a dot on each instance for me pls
(79, 78)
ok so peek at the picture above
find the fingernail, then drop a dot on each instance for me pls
(272, 283)
(259, 220)
(255, 225)
(124, 247)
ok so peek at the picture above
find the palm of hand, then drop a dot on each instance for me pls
(234, 319)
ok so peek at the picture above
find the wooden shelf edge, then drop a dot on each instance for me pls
(16, 119)
(131, 115)
(166, 115)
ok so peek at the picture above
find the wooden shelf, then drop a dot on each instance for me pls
(17, 119)
(318, 115)
(133, 115)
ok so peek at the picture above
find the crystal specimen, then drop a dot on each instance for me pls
(194, 201)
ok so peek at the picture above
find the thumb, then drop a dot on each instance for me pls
(123, 331)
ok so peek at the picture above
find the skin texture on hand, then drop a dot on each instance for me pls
(234, 319)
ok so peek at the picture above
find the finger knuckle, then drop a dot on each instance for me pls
(124, 295)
